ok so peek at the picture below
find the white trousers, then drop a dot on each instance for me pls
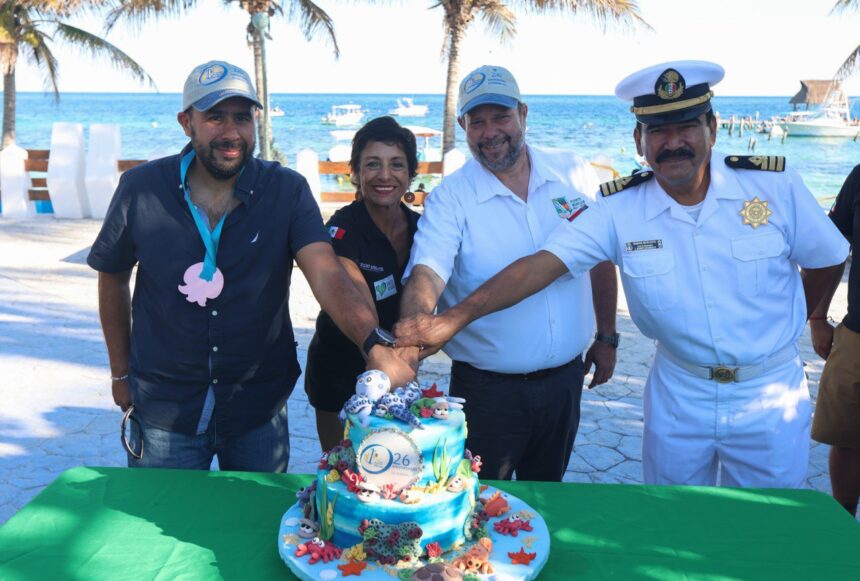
(756, 433)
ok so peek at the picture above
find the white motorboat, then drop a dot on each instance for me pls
(276, 112)
(406, 107)
(340, 115)
(342, 148)
(832, 120)
(429, 142)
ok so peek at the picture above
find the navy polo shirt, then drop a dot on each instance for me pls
(354, 235)
(845, 214)
(241, 343)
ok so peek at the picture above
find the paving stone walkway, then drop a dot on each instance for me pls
(57, 411)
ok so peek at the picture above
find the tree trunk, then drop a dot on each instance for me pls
(9, 97)
(451, 90)
(264, 126)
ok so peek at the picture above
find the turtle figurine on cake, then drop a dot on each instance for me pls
(399, 497)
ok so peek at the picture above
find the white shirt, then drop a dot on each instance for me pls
(712, 290)
(473, 226)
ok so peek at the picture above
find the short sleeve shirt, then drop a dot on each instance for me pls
(846, 215)
(719, 289)
(241, 343)
(355, 236)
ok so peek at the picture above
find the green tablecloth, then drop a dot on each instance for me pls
(115, 523)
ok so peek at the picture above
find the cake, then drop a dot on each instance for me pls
(399, 497)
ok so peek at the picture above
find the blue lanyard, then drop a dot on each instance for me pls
(210, 239)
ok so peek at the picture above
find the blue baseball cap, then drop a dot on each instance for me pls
(488, 85)
(212, 82)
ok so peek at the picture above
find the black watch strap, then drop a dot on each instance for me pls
(612, 339)
(378, 336)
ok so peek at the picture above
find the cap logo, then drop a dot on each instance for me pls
(670, 85)
(212, 74)
(473, 82)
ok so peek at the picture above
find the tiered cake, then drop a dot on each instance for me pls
(399, 497)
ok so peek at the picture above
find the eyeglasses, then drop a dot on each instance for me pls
(124, 433)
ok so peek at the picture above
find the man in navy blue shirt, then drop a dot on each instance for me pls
(205, 364)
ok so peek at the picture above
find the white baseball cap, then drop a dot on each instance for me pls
(488, 85)
(212, 82)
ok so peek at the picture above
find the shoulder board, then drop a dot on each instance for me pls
(616, 185)
(759, 162)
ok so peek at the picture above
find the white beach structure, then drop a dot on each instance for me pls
(15, 183)
(102, 173)
(66, 171)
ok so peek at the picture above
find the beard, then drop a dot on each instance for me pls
(515, 142)
(221, 170)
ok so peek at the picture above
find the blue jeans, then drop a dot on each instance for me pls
(263, 449)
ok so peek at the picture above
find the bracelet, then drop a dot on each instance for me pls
(120, 378)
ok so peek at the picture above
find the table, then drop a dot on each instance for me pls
(120, 523)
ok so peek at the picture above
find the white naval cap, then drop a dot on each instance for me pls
(671, 92)
(488, 85)
(212, 82)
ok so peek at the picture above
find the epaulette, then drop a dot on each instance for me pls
(616, 185)
(759, 162)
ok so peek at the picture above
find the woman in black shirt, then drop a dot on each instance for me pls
(372, 237)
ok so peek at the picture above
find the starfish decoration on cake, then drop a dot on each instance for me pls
(352, 568)
(432, 392)
(521, 557)
(528, 542)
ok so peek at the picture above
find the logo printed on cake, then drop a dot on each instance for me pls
(389, 456)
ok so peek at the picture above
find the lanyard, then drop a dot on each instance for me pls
(210, 238)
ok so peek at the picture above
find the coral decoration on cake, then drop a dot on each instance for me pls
(477, 558)
(390, 544)
(434, 550)
(512, 525)
(318, 549)
(521, 557)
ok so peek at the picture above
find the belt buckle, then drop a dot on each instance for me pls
(723, 374)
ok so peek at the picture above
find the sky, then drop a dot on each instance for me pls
(766, 47)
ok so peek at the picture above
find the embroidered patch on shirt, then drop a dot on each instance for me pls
(336, 232)
(370, 267)
(643, 245)
(567, 209)
(385, 288)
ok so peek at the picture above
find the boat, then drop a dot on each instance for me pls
(276, 112)
(406, 107)
(349, 114)
(833, 119)
(342, 148)
(429, 142)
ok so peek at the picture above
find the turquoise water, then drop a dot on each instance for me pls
(590, 125)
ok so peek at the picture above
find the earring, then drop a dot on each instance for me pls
(409, 197)
(358, 195)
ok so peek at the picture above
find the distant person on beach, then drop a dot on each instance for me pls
(203, 357)
(837, 411)
(521, 370)
(710, 249)
(372, 237)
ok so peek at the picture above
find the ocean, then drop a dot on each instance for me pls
(590, 125)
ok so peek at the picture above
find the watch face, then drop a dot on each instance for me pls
(385, 335)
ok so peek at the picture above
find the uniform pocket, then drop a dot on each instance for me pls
(653, 277)
(753, 257)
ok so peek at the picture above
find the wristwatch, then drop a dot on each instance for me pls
(612, 339)
(378, 336)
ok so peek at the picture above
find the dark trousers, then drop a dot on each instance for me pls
(521, 423)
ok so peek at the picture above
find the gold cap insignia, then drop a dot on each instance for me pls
(670, 85)
(755, 212)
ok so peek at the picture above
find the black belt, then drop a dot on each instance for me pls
(530, 376)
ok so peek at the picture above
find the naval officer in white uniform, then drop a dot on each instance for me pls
(722, 258)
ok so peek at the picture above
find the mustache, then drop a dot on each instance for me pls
(226, 144)
(494, 142)
(680, 153)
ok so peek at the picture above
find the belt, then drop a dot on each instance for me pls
(530, 376)
(729, 373)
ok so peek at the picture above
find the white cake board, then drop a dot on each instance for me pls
(534, 541)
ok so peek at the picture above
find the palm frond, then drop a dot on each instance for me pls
(624, 13)
(843, 6)
(499, 19)
(100, 48)
(313, 20)
(850, 66)
(137, 13)
(36, 50)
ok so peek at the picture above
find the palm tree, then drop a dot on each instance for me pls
(313, 19)
(852, 63)
(28, 28)
(499, 17)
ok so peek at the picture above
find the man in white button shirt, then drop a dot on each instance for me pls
(711, 249)
(520, 370)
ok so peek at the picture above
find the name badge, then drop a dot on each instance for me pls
(385, 288)
(643, 245)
